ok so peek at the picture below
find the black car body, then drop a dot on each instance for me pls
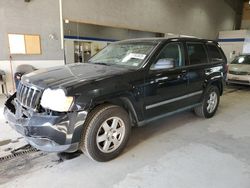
(179, 82)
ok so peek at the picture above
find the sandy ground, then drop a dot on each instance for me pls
(182, 151)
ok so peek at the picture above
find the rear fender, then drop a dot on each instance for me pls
(216, 80)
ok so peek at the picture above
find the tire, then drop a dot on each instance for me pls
(210, 102)
(106, 133)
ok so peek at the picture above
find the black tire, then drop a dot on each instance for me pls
(228, 84)
(94, 125)
(202, 110)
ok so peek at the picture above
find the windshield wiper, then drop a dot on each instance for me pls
(99, 63)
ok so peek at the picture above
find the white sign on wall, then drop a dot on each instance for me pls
(17, 44)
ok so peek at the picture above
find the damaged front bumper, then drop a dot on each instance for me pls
(52, 133)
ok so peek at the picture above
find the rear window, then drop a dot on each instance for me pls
(197, 53)
(214, 53)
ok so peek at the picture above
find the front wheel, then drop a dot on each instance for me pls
(210, 103)
(106, 133)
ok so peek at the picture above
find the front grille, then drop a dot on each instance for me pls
(238, 73)
(28, 96)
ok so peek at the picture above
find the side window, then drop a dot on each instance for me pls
(214, 53)
(197, 53)
(171, 56)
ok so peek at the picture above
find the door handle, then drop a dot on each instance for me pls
(184, 72)
(161, 79)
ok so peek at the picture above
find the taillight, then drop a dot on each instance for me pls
(226, 68)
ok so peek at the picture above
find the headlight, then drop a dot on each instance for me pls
(56, 100)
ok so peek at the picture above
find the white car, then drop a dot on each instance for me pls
(239, 70)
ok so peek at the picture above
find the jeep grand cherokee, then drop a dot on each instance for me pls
(92, 106)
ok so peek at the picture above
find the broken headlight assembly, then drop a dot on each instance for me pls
(56, 100)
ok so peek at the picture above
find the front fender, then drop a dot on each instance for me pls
(127, 100)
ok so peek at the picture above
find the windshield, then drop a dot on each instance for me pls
(130, 55)
(243, 59)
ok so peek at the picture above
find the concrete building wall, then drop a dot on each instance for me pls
(193, 17)
(104, 32)
(235, 43)
(245, 22)
(35, 17)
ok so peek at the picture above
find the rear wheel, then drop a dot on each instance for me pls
(210, 103)
(106, 133)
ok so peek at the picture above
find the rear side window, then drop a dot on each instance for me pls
(197, 53)
(214, 53)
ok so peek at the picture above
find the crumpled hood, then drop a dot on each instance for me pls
(73, 73)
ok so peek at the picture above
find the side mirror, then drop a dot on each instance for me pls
(167, 63)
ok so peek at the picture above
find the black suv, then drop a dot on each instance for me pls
(92, 106)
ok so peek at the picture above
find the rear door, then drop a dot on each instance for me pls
(198, 61)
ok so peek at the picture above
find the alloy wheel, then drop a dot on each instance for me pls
(212, 102)
(110, 134)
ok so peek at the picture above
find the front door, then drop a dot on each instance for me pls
(166, 82)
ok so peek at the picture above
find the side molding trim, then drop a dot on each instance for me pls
(141, 123)
(173, 100)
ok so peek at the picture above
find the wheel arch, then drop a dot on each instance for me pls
(216, 82)
(123, 102)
